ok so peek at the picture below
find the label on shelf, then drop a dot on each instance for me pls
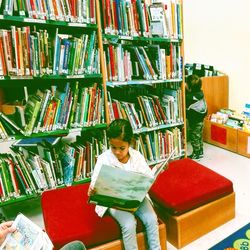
(21, 77)
(31, 20)
(126, 37)
(77, 24)
(76, 76)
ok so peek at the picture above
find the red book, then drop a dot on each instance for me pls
(136, 16)
(13, 176)
(115, 110)
(112, 61)
(157, 102)
(146, 17)
(108, 14)
(2, 58)
(115, 24)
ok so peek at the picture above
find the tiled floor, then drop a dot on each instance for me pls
(230, 165)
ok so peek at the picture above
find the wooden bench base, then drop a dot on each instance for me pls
(191, 225)
(117, 244)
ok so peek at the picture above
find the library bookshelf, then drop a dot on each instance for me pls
(67, 71)
(216, 91)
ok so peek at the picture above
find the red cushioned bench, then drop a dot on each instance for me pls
(67, 217)
(192, 200)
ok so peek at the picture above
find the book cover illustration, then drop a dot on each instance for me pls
(27, 236)
(116, 187)
(122, 189)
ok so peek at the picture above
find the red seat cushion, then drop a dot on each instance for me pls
(67, 216)
(187, 184)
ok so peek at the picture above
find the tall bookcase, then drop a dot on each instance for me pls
(143, 72)
(68, 70)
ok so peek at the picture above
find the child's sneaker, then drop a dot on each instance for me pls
(194, 156)
(201, 153)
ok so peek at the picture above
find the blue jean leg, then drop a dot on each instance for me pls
(127, 223)
(149, 219)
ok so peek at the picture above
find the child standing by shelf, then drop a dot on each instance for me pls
(121, 155)
(196, 110)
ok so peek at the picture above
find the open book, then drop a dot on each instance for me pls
(123, 189)
(27, 236)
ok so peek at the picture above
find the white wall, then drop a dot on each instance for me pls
(217, 32)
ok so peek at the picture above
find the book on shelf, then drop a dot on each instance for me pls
(11, 126)
(27, 236)
(33, 141)
(159, 22)
(122, 189)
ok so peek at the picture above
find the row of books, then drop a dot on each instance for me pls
(157, 145)
(149, 111)
(142, 18)
(27, 171)
(77, 106)
(82, 11)
(76, 55)
(34, 53)
(52, 109)
(151, 62)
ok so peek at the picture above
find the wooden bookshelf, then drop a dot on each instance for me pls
(220, 135)
(216, 91)
(243, 143)
(232, 139)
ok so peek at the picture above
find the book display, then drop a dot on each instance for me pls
(67, 69)
(228, 129)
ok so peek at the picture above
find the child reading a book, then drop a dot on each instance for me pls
(121, 155)
(196, 110)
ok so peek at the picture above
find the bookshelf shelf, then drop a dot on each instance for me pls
(20, 198)
(98, 126)
(163, 126)
(51, 77)
(145, 82)
(117, 38)
(30, 21)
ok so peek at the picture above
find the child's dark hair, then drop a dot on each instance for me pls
(120, 128)
(194, 82)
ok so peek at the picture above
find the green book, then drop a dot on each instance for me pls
(31, 113)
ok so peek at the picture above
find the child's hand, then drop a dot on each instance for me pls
(91, 191)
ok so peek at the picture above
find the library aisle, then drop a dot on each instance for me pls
(230, 165)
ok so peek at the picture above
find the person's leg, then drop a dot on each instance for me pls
(201, 139)
(74, 245)
(127, 223)
(149, 219)
(195, 135)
